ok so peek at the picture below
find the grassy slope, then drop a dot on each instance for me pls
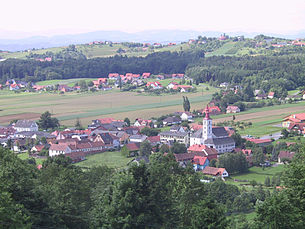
(256, 173)
(24, 156)
(111, 159)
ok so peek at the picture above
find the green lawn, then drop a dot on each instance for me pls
(24, 156)
(69, 82)
(256, 173)
(262, 128)
(111, 159)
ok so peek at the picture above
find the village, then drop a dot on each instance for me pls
(200, 144)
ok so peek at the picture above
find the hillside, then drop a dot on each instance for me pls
(230, 46)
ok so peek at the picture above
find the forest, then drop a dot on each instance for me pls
(160, 194)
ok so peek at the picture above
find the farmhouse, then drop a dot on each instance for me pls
(142, 122)
(154, 85)
(233, 109)
(184, 158)
(25, 125)
(285, 155)
(213, 137)
(216, 172)
(294, 118)
(171, 121)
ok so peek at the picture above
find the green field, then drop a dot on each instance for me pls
(69, 82)
(24, 156)
(88, 106)
(111, 159)
(256, 173)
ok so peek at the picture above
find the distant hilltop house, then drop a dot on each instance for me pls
(25, 125)
(292, 119)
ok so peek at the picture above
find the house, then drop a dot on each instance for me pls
(110, 141)
(171, 121)
(185, 116)
(14, 87)
(170, 137)
(184, 158)
(261, 96)
(271, 95)
(25, 125)
(137, 138)
(185, 88)
(260, 142)
(113, 76)
(171, 85)
(199, 162)
(146, 75)
(233, 109)
(212, 136)
(37, 148)
(224, 85)
(154, 85)
(298, 127)
(210, 153)
(248, 154)
(177, 129)
(140, 159)
(285, 155)
(178, 76)
(215, 172)
(133, 148)
(213, 110)
(142, 122)
(294, 118)
(64, 88)
(154, 140)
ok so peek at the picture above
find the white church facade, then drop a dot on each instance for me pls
(212, 136)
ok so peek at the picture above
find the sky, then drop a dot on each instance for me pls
(37, 17)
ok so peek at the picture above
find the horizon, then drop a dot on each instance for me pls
(32, 18)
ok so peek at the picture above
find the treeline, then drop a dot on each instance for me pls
(159, 62)
(158, 195)
(261, 72)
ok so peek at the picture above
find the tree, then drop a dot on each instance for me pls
(47, 122)
(127, 121)
(78, 124)
(145, 148)
(207, 214)
(285, 133)
(178, 148)
(164, 149)
(258, 157)
(186, 104)
(233, 162)
(149, 131)
(267, 181)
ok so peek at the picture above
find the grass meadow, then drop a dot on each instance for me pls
(111, 159)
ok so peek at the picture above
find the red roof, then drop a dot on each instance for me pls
(296, 117)
(259, 141)
(233, 108)
(113, 75)
(247, 152)
(213, 171)
(133, 146)
(146, 74)
(286, 154)
(153, 139)
(199, 160)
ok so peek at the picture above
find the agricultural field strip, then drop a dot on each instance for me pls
(113, 110)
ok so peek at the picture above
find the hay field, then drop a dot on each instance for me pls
(87, 106)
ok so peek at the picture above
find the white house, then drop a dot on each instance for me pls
(25, 125)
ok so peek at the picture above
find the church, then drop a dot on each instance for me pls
(212, 136)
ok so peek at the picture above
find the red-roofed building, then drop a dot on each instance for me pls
(154, 85)
(248, 154)
(215, 172)
(285, 155)
(210, 153)
(298, 127)
(233, 109)
(146, 75)
(113, 75)
(154, 140)
(142, 122)
(271, 95)
(213, 110)
(294, 118)
(260, 142)
(200, 162)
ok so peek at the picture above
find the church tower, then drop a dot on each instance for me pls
(206, 125)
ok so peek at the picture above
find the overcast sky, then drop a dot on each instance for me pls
(73, 16)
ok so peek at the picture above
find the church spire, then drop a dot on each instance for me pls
(207, 113)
